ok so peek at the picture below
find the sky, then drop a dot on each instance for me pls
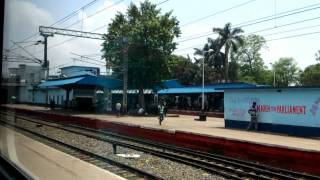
(296, 35)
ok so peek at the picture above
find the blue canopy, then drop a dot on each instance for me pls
(188, 90)
(60, 82)
(172, 83)
(83, 81)
(210, 88)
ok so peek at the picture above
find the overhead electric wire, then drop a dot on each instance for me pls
(197, 37)
(291, 30)
(59, 65)
(103, 26)
(70, 39)
(293, 36)
(19, 59)
(280, 38)
(162, 2)
(71, 14)
(218, 12)
(82, 56)
(284, 25)
(74, 13)
(293, 23)
(259, 20)
(88, 62)
(26, 46)
(97, 12)
(36, 59)
(277, 17)
(273, 15)
(31, 62)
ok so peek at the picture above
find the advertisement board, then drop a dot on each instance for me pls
(297, 107)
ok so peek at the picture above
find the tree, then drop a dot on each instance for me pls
(252, 68)
(311, 75)
(213, 59)
(150, 43)
(234, 70)
(229, 38)
(183, 69)
(286, 71)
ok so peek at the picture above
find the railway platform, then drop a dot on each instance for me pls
(294, 153)
(212, 127)
(40, 161)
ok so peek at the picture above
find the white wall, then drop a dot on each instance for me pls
(299, 107)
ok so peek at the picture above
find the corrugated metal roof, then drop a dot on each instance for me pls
(83, 81)
(100, 81)
(60, 82)
(188, 90)
(210, 88)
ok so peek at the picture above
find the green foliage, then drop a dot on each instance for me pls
(286, 71)
(213, 59)
(252, 68)
(230, 39)
(234, 71)
(183, 69)
(311, 75)
(150, 42)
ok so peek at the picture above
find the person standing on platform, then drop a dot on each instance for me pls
(161, 112)
(254, 117)
(118, 108)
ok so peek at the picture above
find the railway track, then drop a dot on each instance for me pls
(115, 167)
(224, 166)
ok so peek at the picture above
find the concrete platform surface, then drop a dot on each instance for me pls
(43, 162)
(212, 127)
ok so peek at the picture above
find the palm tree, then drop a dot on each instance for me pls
(230, 39)
(216, 57)
(212, 56)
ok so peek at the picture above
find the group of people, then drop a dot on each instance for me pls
(161, 112)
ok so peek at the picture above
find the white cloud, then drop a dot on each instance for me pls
(23, 18)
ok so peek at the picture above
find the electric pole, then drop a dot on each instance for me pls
(45, 64)
(125, 73)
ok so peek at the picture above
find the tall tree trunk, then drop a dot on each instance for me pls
(141, 97)
(226, 63)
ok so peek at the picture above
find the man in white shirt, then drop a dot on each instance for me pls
(118, 108)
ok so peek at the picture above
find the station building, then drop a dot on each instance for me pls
(84, 92)
(20, 81)
(289, 110)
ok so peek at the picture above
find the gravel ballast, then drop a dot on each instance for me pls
(161, 167)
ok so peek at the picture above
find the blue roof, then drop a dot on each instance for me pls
(210, 88)
(67, 67)
(187, 90)
(229, 85)
(172, 83)
(60, 82)
(277, 88)
(83, 81)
